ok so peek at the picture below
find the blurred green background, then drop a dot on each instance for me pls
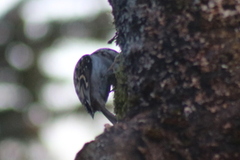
(40, 43)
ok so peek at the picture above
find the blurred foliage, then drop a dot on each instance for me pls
(21, 80)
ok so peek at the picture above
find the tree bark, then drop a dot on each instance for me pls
(178, 82)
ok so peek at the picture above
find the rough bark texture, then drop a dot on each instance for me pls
(178, 82)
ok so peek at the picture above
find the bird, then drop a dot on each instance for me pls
(93, 80)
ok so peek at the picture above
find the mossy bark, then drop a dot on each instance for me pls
(180, 67)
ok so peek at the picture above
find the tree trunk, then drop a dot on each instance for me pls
(178, 82)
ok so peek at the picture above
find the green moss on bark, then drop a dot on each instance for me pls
(120, 93)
